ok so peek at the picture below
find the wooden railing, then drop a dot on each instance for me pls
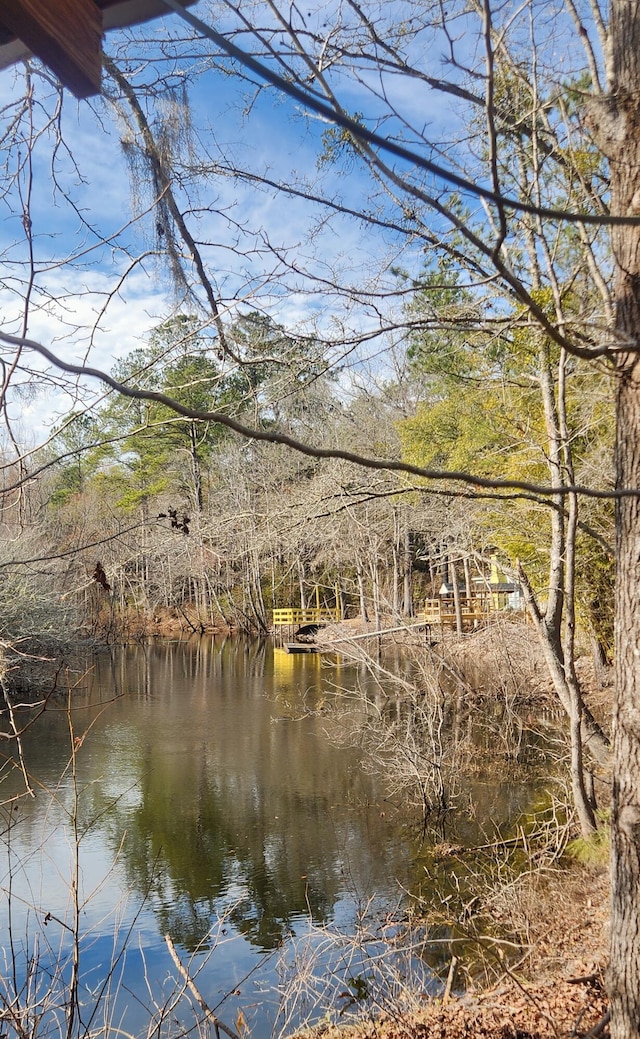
(443, 612)
(294, 616)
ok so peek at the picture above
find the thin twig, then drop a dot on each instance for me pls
(215, 1021)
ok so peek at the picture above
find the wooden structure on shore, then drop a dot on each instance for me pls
(441, 613)
(475, 611)
(492, 597)
(473, 606)
(294, 621)
(295, 616)
(310, 617)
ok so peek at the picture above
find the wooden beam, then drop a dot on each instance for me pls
(119, 13)
(65, 34)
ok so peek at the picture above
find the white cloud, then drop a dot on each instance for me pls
(75, 327)
(311, 268)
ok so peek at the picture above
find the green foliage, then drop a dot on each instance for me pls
(135, 450)
(74, 443)
(443, 316)
(595, 849)
(339, 145)
(482, 413)
(475, 418)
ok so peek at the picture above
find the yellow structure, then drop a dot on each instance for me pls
(498, 596)
(442, 612)
(295, 616)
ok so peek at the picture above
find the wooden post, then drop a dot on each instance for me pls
(67, 34)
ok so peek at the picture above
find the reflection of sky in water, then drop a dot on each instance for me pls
(227, 963)
(203, 810)
(212, 809)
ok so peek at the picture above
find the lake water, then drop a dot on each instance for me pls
(206, 803)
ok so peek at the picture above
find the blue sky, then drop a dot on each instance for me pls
(97, 300)
(69, 298)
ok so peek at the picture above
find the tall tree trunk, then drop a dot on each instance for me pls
(592, 735)
(457, 605)
(625, 905)
(468, 587)
(556, 589)
(617, 125)
(341, 599)
(395, 549)
(143, 566)
(559, 649)
(375, 592)
(301, 586)
(581, 799)
(195, 467)
(363, 600)
(407, 571)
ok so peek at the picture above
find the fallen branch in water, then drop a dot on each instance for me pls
(215, 1021)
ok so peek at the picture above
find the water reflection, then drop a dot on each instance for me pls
(206, 792)
(229, 804)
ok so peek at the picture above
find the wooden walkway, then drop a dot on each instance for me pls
(295, 616)
(438, 614)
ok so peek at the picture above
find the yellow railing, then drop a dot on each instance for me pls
(310, 615)
(438, 611)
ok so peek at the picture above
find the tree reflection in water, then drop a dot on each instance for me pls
(210, 795)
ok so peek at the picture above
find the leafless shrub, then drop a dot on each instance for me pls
(330, 976)
(421, 719)
(478, 903)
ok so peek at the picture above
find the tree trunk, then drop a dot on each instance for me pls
(593, 738)
(195, 467)
(375, 593)
(407, 572)
(395, 551)
(341, 599)
(557, 550)
(468, 587)
(363, 601)
(625, 906)
(453, 578)
(616, 121)
(301, 578)
(599, 656)
(580, 797)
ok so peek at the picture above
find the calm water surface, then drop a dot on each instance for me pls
(212, 808)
